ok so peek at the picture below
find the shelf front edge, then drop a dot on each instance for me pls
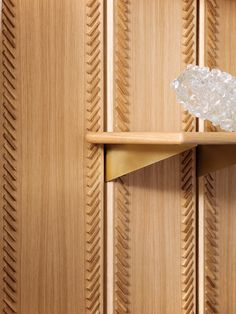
(162, 138)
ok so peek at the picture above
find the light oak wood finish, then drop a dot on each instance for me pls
(161, 138)
(52, 122)
(154, 237)
(219, 200)
(52, 183)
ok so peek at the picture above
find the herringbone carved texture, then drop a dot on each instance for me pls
(122, 253)
(188, 51)
(211, 245)
(188, 231)
(9, 111)
(211, 31)
(122, 247)
(187, 165)
(94, 158)
(122, 65)
(211, 219)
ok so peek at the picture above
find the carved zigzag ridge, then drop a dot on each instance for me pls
(188, 51)
(188, 232)
(211, 246)
(94, 161)
(122, 124)
(122, 236)
(211, 211)
(187, 165)
(211, 43)
(211, 32)
(9, 98)
(189, 33)
(122, 57)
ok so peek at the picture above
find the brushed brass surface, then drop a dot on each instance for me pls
(123, 159)
(214, 157)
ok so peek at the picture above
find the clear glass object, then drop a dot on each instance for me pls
(208, 94)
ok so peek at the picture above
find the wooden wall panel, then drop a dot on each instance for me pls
(52, 182)
(220, 199)
(154, 219)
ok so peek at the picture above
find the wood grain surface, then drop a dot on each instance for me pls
(220, 200)
(52, 90)
(154, 237)
(52, 93)
(165, 138)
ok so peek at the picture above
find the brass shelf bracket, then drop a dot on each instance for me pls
(123, 159)
(130, 151)
(214, 157)
(126, 158)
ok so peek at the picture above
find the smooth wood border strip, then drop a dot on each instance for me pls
(94, 259)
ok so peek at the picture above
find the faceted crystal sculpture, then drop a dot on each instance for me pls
(208, 94)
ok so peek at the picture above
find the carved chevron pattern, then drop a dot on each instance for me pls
(188, 51)
(122, 122)
(187, 165)
(94, 159)
(188, 122)
(211, 213)
(122, 249)
(189, 31)
(211, 32)
(211, 44)
(188, 231)
(122, 57)
(211, 246)
(9, 110)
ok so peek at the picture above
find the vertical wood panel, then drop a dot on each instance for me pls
(220, 200)
(52, 187)
(154, 237)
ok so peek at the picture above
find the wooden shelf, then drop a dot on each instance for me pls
(130, 151)
(162, 138)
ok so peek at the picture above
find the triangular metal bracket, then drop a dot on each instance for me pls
(214, 157)
(122, 159)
